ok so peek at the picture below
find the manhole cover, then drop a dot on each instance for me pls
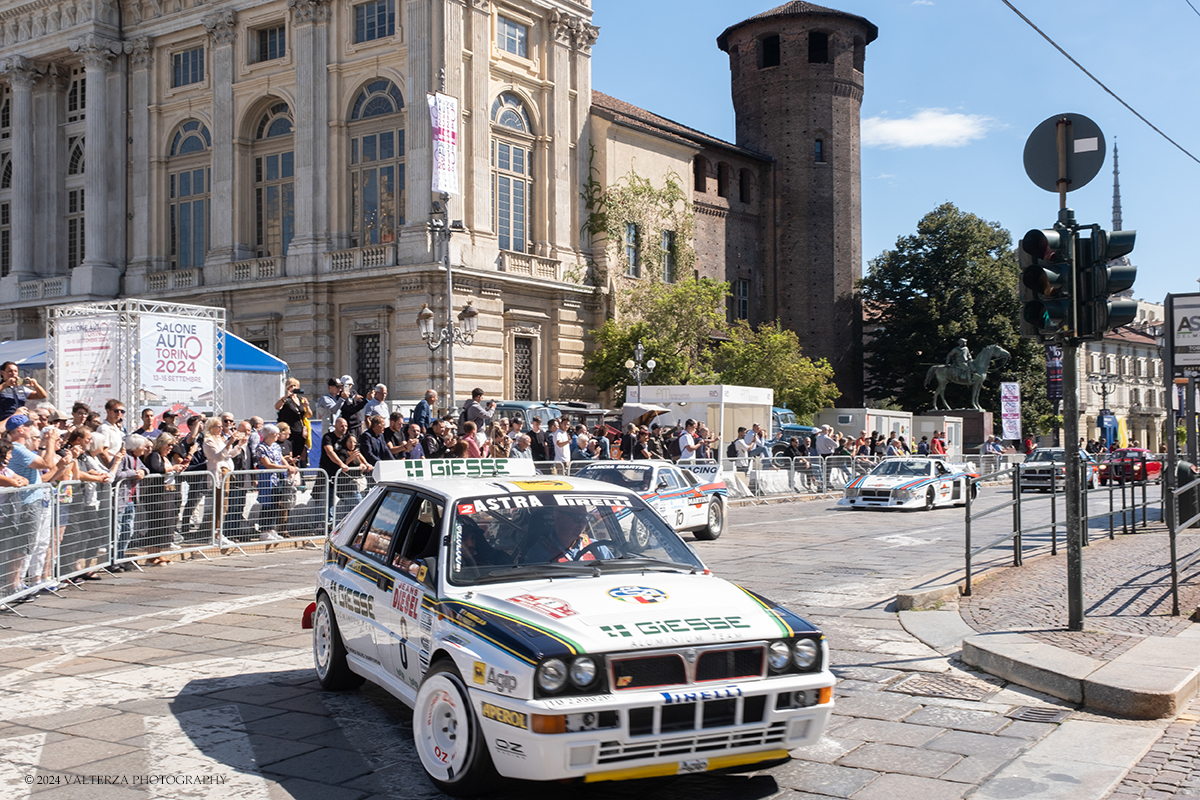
(1038, 714)
(850, 570)
(944, 686)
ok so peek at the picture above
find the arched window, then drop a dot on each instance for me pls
(512, 172)
(376, 164)
(724, 174)
(274, 187)
(818, 47)
(74, 187)
(700, 174)
(189, 176)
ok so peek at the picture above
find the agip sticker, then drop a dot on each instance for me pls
(638, 594)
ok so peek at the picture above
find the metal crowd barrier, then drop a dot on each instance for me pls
(26, 538)
(348, 489)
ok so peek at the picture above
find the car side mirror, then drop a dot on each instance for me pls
(662, 484)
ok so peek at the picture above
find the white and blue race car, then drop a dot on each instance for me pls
(691, 497)
(912, 483)
(554, 628)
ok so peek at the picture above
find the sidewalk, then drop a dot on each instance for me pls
(1133, 660)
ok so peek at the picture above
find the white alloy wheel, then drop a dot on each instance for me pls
(447, 734)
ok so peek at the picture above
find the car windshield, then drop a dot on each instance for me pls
(913, 468)
(546, 534)
(787, 418)
(629, 476)
(1047, 455)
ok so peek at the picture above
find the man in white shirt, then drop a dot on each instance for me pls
(688, 445)
(330, 405)
(110, 436)
(825, 443)
(558, 434)
(377, 405)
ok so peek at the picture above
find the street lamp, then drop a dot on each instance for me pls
(1104, 385)
(468, 318)
(636, 370)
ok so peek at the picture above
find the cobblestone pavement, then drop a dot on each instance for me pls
(1126, 595)
(1172, 767)
(201, 669)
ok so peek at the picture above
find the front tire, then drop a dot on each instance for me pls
(329, 654)
(716, 522)
(448, 736)
(930, 496)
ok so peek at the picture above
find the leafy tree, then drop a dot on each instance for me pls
(956, 277)
(770, 357)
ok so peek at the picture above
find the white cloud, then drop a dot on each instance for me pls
(922, 2)
(883, 176)
(929, 127)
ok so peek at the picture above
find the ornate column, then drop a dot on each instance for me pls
(222, 27)
(310, 20)
(477, 159)
(140, 62)
(572, 39)
(97, 53)
(422, 79)
(21, 75)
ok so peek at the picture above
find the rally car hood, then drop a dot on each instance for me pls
(627, 610)
(893, 481)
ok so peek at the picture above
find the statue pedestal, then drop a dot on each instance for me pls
(977, 426)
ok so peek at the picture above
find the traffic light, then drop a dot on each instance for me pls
(1047, 293)
(1099, 310)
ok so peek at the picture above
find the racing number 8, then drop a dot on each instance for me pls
(678, 518)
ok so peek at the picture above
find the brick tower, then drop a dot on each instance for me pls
(797, 77)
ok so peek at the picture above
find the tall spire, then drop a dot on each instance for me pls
(1116, 226)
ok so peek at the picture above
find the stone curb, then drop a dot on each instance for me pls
(1155, 679)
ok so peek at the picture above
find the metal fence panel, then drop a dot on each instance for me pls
(349, 488)
(25, 537)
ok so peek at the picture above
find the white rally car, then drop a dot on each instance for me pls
(911, 483)
(691, 497)
(554, 628)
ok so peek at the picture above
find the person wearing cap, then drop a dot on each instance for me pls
(31, 510)
(330, 405)
(353, 406)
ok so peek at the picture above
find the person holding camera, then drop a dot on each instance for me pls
(293, 409)
(689, 443)
(16, 393)
(475, 411)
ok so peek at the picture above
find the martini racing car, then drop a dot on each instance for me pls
(690, 497)
(911, 483)
(555, 628)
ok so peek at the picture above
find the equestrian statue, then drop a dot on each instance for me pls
(960, 368)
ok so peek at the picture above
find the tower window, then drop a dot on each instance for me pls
(768, 51)
(700, 174)
(742, 301)
(860, 53)
(818, 48)
(819, 151)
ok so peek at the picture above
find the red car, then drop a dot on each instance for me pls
(1133, 464)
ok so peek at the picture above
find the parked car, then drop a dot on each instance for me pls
(527, 410)
(784, 426)
(1045, 462)
(621, 656)
(1133, 464)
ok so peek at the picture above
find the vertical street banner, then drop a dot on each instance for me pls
(86, 360)
(443, 113)
(1054, 368)
(177, 357)
(1010, 410)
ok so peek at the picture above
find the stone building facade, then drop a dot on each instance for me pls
(274, 158)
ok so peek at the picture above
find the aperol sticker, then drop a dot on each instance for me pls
(542, 486)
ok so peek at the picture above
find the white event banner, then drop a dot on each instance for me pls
(178, 361)
(1010, 410)
(86, 360)
(443, 114)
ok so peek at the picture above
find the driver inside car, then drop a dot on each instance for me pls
(476, 550)
(567, 539)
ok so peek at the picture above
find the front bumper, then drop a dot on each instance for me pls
(656, 733)
(880, 499)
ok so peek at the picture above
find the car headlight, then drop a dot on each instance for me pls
(778, 655)
(903, 494)
(551, 675)
(582, 673)
(805, 653)
(852, 493)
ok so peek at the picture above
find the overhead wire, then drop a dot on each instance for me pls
(1189, 2)
(1100, 83)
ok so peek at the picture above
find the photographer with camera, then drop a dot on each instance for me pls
(16, 393)
(293, 409)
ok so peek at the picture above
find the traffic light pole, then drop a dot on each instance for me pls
(1074, 532)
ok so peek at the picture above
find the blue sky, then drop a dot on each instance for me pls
(953, 89)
